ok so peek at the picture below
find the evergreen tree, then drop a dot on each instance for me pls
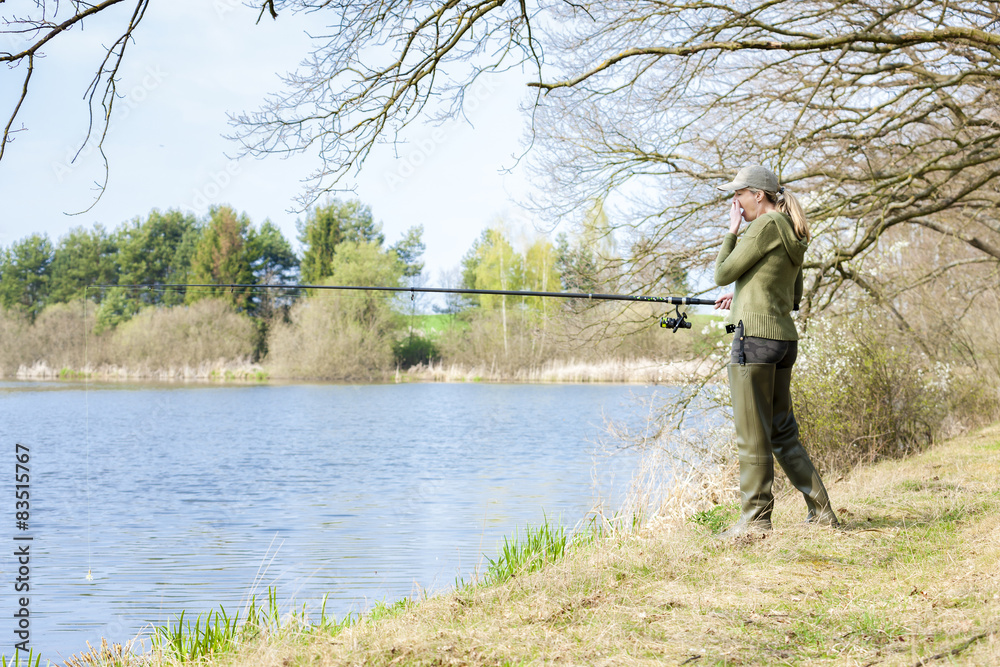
(328, 226)
(223, 257)
(410, 249)
(273, 261)
(82, 258)
(155, 251)
(180, 271)
(577, 265)
(117, 306)
(25, 274)
(589, 263)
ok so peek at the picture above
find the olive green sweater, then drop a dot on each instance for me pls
(766, 265)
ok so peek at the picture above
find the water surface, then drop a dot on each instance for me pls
(187, 497)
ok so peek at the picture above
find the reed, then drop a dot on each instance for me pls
(570, 370)
(220, 370)
(107, 655)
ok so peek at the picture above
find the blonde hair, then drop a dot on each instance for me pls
(787, 203)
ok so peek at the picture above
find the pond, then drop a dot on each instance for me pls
(147, 500)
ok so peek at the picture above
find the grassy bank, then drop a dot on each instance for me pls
(912, 578)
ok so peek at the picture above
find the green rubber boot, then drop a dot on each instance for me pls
(793, 458)
(751, 387)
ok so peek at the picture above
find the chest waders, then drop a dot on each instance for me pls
(766, 428)
(793, 458)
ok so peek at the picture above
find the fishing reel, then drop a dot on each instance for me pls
(675, 323)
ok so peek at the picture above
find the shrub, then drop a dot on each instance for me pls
(861, 393)
(13, 329)
(333, 338)
(117, 308)
(57, 338)
(505, 344)
(414, 350)
(204, 332)
(59, 335)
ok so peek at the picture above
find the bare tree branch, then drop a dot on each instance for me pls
(39, 29)
(882, 118)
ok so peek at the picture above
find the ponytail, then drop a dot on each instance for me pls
(789, 205)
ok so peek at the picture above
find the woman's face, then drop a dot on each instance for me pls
(748, 202)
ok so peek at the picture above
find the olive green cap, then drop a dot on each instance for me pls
(753, 176)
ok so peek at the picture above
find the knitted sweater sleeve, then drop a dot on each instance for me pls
(735, 259)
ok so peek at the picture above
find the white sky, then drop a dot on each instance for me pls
(194, 60)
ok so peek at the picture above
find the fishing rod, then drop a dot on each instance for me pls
(678, 321)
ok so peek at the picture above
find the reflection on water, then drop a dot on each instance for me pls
(185, 498)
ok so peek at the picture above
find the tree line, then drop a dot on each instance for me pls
(172, 247)
(340, 243)
(226, 247)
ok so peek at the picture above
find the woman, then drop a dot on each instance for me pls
(766, 266)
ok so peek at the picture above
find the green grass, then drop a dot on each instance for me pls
(383, 610)
(31, 661)
(433, 325)
(540, 546)
(217, 632)
(717, 518)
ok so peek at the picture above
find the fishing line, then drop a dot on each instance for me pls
(86, 428)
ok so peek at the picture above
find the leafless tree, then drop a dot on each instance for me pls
(27, 34)
(879, 114)
(376, 68)
(882, 114)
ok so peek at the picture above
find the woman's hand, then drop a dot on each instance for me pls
(724, 302)
(735, 216)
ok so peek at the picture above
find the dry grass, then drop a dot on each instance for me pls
(211, 371)
(912, 578)
(637, 371)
